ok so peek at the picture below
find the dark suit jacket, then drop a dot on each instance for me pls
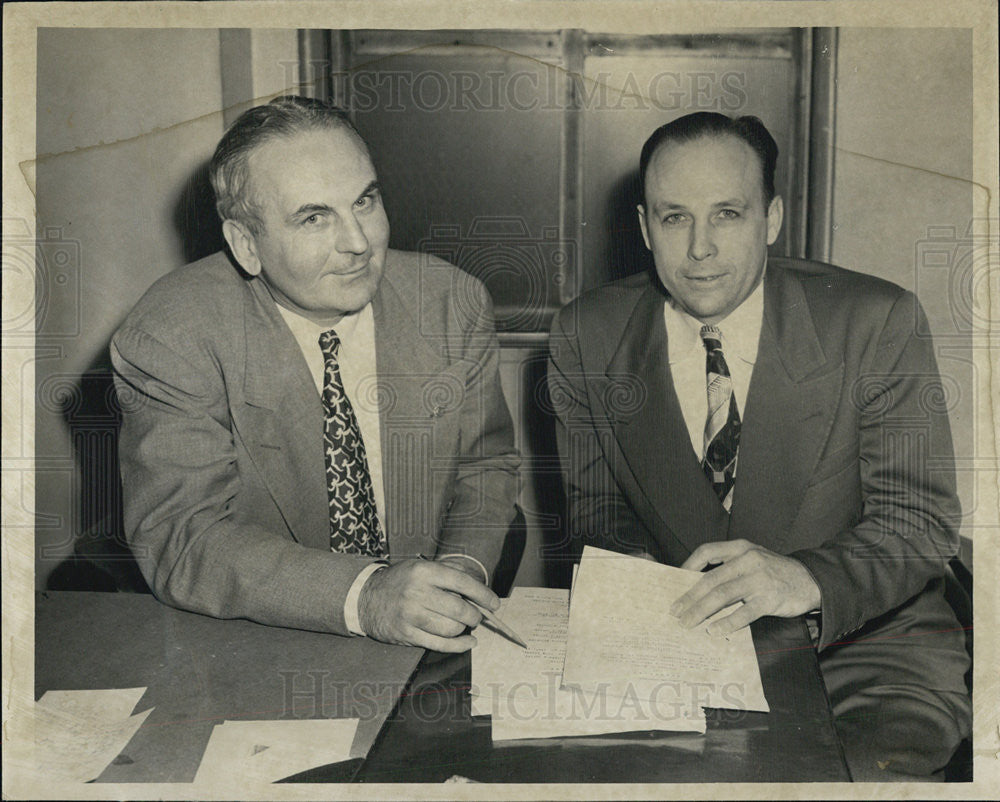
(222, 460)
(845, 457)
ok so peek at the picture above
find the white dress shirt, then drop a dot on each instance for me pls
(687, 356)
(356, 359)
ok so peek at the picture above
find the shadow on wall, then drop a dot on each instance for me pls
(626, 253)
(195, 218)
(542, 478)
(101, 559)
(90, 407)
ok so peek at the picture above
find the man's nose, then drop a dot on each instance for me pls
(351, 238)
(702, 244)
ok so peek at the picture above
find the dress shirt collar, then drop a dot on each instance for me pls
(306, 330)
(740, 330)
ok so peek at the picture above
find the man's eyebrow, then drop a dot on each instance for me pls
(670, 206)
(372, 188)
(307, 209)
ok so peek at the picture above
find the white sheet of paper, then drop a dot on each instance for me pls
(623, 639)
(105, 704)
(521, 688)
(688, 742)
(256, 752)
(76, 737)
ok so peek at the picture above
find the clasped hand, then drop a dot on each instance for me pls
(424, 603)
(766, 582)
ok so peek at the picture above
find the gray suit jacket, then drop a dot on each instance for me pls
(222, 461)
(845, 457)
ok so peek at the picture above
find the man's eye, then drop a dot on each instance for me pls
(673, 219)
(729, 214)
(364, 201)
(311, 220)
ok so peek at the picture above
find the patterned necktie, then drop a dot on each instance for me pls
(722, 428)
(354, 524)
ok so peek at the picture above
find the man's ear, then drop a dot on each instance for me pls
(642, 225)
(775, 215)
(243, 245)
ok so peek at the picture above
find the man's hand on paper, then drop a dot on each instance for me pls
(423, 603)
(766, 582)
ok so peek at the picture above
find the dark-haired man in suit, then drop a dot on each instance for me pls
(780, 432)
(301, 430)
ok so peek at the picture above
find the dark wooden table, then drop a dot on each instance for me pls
(200, 671)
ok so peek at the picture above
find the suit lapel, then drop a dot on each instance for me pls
(653, 436)
(282, 421)
(406, 364)
(788, 416)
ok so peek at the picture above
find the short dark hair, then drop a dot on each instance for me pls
(229, 168)
(707, 124)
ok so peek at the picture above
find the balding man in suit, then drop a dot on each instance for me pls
(780, 428)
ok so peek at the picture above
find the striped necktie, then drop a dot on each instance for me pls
(354, 524)
(722, 427)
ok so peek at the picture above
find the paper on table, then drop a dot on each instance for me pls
(686, 742)
(488, 672)
(571, 712)
(622, 638)
(521, 688)
(76, 736)
(256, 752)
(105, 704)
(481, 705)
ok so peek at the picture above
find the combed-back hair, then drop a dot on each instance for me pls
(229, 168)
(708, 124)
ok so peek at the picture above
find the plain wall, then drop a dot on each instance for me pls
(125, 120)
(903, 181)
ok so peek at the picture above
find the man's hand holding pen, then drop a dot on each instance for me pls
(426, 603)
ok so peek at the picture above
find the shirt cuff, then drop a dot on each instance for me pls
(352, 615)
(486, 574)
